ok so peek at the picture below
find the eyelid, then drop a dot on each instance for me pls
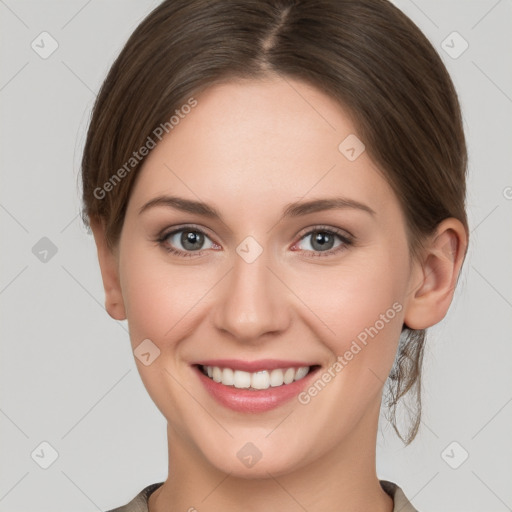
(167, 232)
(343, 233)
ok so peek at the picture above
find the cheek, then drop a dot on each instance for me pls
(365, 305)
(362, 307)
(353, 297)
(157, 297)
(359, 304)
(160, 301)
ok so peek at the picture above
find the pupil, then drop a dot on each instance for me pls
(191, 238)
(323, 239)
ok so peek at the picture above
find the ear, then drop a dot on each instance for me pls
(436, 275)
(109, 266)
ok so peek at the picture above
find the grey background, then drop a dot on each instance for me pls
(67, 375)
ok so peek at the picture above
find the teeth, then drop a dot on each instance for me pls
(242, 379)
(257, 380)
(217, 374)
(301, 372)
(289, 375)
(260, 380)
(276, 378)
(228, 376)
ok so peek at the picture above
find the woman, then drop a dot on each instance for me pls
(276, 189)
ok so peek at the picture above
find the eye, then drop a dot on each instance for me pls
(324, 241)
(186, 241)
(190, 241)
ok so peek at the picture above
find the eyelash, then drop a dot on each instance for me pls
(346, 241)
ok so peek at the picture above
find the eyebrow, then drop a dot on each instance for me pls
(291, 210)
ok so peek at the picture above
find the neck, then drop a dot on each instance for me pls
(342, 479)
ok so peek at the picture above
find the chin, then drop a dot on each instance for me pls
(248, 461)
(263, 469)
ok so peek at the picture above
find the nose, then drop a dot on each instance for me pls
(252, 302)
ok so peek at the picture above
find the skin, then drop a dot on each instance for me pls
(249, 149)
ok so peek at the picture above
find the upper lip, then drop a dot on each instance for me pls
(253, 366)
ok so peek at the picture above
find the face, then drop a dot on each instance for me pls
(300, 259)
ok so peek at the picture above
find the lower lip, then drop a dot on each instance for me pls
(251, 401)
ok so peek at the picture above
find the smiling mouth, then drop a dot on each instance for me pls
(255, 381)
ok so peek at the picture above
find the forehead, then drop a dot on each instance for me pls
(265, 143)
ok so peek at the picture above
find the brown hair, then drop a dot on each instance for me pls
(366, 54)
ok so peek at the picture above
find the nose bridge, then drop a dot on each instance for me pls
(251, 303)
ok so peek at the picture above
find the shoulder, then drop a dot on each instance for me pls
(401, 503)
(140, 502)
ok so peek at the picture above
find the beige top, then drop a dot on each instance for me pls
(140, 502)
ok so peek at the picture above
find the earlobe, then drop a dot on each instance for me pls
(438, 271)
(109, 267)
